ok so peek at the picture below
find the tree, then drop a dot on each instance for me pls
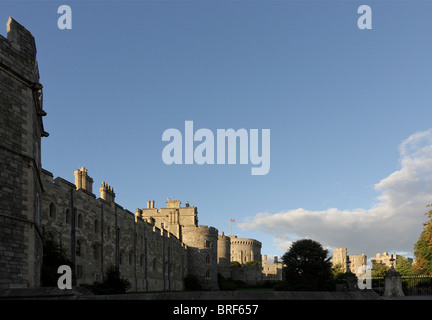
(53, 257)
(337, 270)
(379, 270)
(404, 266)
(308, 267)
(114, 283)
(423, 248)
(253, 263)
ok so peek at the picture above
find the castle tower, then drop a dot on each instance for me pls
(202, 242)
(21, 129)
(244, 250)
(83, 180)
(223, 255)
(340, 257)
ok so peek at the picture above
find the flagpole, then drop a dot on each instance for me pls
(231, 221)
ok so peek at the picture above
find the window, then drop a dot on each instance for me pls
(78, 248)
(208, 244)
(96, 226)
(95, 249)
(52, 211)
(80, 221)
(79, 271)
(208, 274)
(207, 259)
(68, 217)
(130, 258)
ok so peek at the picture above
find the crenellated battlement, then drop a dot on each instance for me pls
(245, 241)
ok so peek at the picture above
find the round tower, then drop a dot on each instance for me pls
(244, 250)
(202, 244)
(223, 255)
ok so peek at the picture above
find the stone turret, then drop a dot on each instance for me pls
(223, 255)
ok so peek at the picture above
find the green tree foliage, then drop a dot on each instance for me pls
(404, 266)
(423, 248)
(337, 269)
(308, 267)
(340, 276)
(379, 270)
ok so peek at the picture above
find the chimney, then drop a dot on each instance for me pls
(83, 180)
(107, 192)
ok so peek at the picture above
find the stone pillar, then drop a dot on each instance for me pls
(393, 284)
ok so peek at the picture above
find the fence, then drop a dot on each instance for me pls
(411, 285)
(417, 285)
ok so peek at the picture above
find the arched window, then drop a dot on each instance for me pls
(96, 226)
(80, 221)
(96, 250)
(52, 211)
(208, 274)
(207, 260)
(154, 264)
(78, 248)
(68, 217)
(130, 258)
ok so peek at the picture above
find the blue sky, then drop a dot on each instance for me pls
(348, 109)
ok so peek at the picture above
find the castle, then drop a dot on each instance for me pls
(354, 263)
(155, 249)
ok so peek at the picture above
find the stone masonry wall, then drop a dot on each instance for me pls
(21, 129)
(107, 235)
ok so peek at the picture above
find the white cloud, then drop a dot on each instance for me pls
(393, 224)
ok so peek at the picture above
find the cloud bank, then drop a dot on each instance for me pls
(393, 224)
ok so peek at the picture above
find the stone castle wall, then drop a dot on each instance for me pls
(21, 129)
(108, 235)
